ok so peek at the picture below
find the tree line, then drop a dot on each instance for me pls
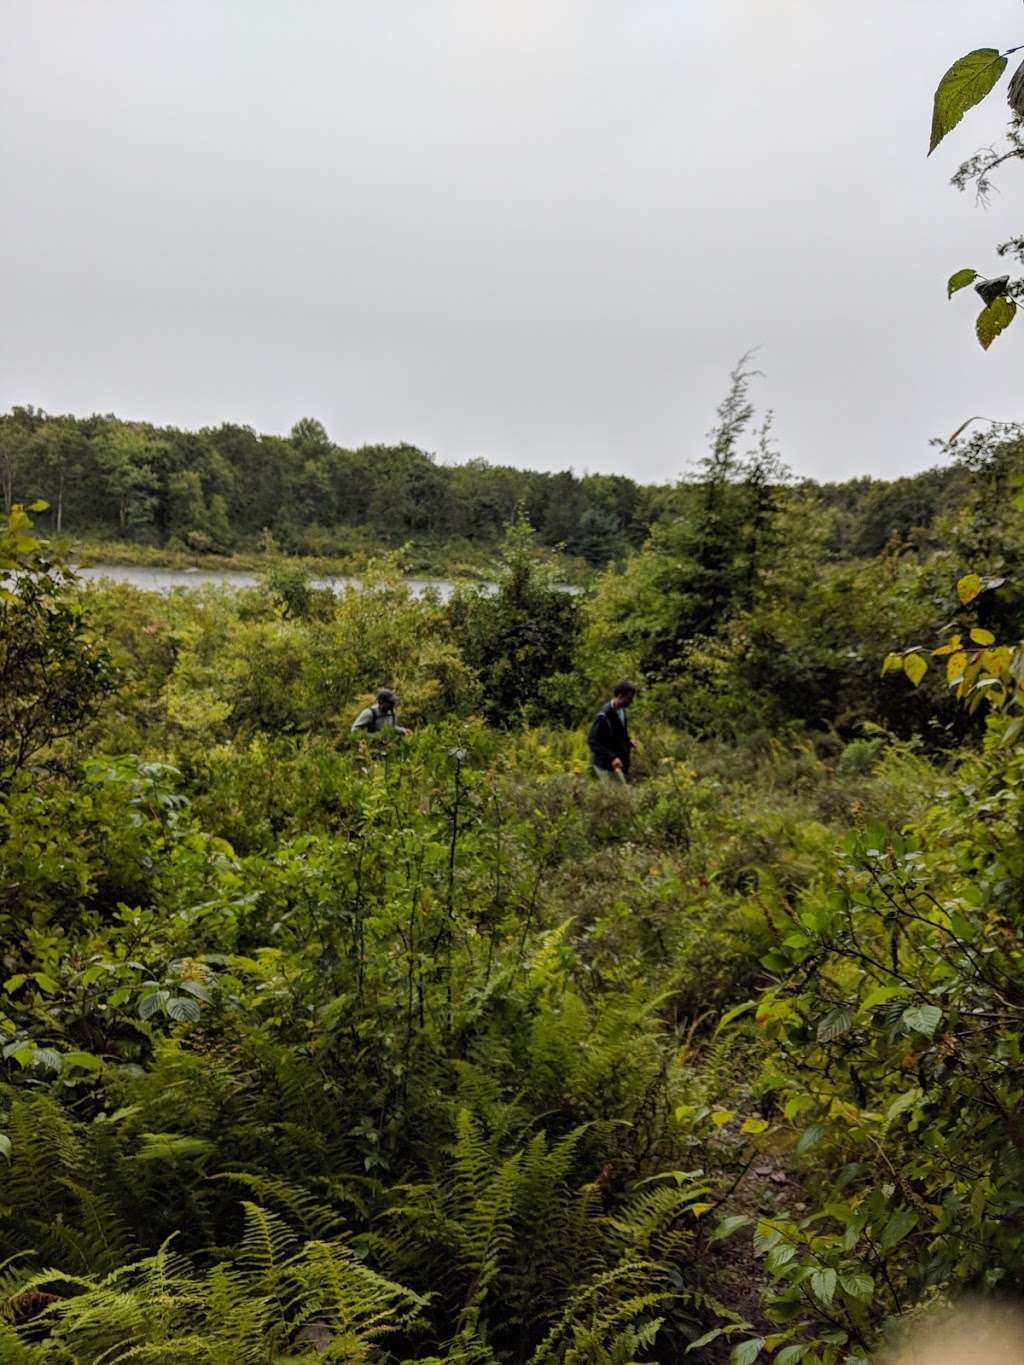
(222, 489)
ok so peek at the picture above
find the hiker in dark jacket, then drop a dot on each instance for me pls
(610, 745)
(380, 716)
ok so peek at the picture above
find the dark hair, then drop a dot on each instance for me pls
(386, 694)
(625, 688)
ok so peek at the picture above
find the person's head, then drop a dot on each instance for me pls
(386, 699)
(624, 693)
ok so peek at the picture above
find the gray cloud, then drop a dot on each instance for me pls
(538, 231)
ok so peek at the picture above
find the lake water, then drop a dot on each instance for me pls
(163, 580)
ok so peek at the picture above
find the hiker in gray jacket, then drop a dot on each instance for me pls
(380, 716)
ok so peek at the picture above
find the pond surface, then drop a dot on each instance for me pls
(163, 580)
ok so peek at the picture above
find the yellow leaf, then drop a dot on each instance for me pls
(720, 1117)
(982, 637)
(754, 1126)
(915, 668)
(968, 588)
(893, 664)
(698, 1209)
(955, 667)
(950, 647)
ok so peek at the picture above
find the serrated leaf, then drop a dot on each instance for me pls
(735, 1013)
(183, 1009)
(922, 1018)
(779, 1257)
(152, 1003)
(86, 1061)
(809, 1138)
(964, 85)
(915, 668)
(199, 989)
(857, 1286)
(1015, 94)
(960, 280)
(823, 1285)
(982, 637)
(747, 1351)
(727, 1226)
(835, 1023)
(994, 320)
(791, 1355)
(902, 1222)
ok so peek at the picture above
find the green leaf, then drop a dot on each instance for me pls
(779, 1257)
(835, 1023)
(994, 320)
(747, 1351)
(922, 1019)
(964, 85)
(183, 1009)
(961, 280)
(152, 1002)
(915, 668)
(823, 1285)
(5, 1146)
(902, 1222)
(727, 1226)
(735, 1013)
(809, 1138)
(968, 588)
(86, 1061)
(858, 1286)
(791, 1355)
(705, 1340)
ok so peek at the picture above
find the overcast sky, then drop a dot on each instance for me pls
(538, 231)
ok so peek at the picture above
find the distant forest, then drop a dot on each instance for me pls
(222, 489)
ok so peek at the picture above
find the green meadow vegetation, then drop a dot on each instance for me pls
(432, 1048)
(439, 1050)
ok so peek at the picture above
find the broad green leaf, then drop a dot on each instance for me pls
(835, 1023)
(961, 280)
(994, 320)
(823, 1285)
(735, 1013)
(5, 1146)
(879, 996)
(858, 1286)
(14, 982)
(964, 85)
(915, 668)
(922, 1018)
(899, 1225)
(183, 1009)
(705, 1340)
(791, 1355)
(727, 1226)
(747, 1351)
(152, 1003)
(779, 1257)
(86, 1061)
(809, 1138)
